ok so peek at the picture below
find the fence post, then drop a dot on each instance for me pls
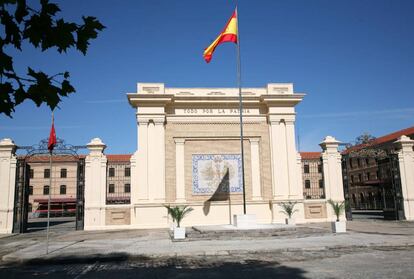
(8, 162)
(405, 153)
(95, 185)
(332, 172)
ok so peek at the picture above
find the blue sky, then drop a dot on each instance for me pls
(354, 59)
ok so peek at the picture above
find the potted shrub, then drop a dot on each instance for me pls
(178, 213)
(338, 208)
(288, 209)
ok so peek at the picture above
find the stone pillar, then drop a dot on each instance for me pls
(156, 159)
(139, 163)
(280, 183)
(286, 177)
(8, 162)
(179, 170)
(406, 162)
(332, 173)
(95, 185)
(255, 163)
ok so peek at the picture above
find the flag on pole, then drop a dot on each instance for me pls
(52, 136)
(229, 34)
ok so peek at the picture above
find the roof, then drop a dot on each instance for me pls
(310, 155)
(384, 139)
(118, 157)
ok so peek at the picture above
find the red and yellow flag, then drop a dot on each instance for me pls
(229, 34)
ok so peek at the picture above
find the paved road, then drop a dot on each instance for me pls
(362, 263)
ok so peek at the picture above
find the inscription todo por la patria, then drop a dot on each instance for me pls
(214, 111)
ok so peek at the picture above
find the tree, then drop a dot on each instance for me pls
(365, 138)
(41, 29)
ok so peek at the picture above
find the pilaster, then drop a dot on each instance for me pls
(255, 164)
(405, 151)
(8, 162)
(95, 185)
(179, 170)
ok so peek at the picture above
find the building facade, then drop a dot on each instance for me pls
(370, 175)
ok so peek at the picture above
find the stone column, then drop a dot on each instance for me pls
(139, 163)
(280, 183)
(255, 163)
(332, 173)
(7, 184)
(286, 177)
(156, 159)
(95, 185)
(406, 162)
(179, 170)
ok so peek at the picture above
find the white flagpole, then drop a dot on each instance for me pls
(240, 109)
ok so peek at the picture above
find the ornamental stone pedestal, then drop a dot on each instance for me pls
(405, 153)
(7, 184)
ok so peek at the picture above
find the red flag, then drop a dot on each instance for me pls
(52, 137)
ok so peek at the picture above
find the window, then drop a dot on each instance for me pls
(360, 177)
(367, 161)
(111, 172)
(127, 172)
(359, 162)
(63, 173)
(307, 184)
(306, 168)
(30, 190)
(378, 175)
(368, 176)
(46, 190)
(127, 188)
(320, 183)
(320, 168)
(31, 173)
(63, 189)
(111, 188)
(46, 173)
(352, 178)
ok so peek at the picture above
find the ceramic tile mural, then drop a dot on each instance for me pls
(213, 171)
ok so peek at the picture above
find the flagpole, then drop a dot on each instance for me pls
(50, 191)
(240, 109)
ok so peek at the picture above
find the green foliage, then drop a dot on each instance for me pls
(338, 208)
(178, 213)
(365, 138)
(42, 29)
(288, 208)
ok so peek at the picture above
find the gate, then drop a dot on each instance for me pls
(60, 206)
(372, 186)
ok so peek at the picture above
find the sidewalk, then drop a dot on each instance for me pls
(83, 245)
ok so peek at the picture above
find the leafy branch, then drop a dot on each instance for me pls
(41, 29)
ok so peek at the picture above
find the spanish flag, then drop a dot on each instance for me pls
(229, 34)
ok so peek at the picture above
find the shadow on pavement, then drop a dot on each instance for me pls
(122, 266)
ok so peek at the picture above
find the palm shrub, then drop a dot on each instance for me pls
(178, 213)
(288, 208)
(338, 208)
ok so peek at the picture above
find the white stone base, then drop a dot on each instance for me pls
(179, 233)
(338, 227)
(244, 220)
